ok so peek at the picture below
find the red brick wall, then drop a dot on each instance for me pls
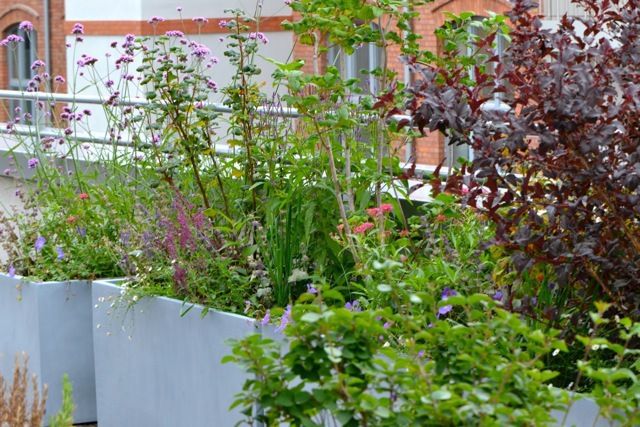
(430, 149)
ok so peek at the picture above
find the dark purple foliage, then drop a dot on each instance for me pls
(561, 168)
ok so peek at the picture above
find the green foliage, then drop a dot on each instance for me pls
(64, 418)
(377, 368)
(484, 366)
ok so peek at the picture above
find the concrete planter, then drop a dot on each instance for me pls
(157, 368)
(583, 412)
(51, 322)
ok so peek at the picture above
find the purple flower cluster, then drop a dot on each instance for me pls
(154, 20)
(174, 33)
(33, 163)
(11, 39)
(259, 37)
(86, 60)
(25, 26)
(198, 50)
(37, 64)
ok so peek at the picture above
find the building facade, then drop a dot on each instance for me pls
(104, 22)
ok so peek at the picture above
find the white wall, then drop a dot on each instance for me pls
(136, 10)
(87, 10)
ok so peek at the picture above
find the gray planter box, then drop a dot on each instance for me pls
(583, 412)
(51, 322)
(157, 368)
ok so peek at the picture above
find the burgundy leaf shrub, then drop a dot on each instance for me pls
(559, 173)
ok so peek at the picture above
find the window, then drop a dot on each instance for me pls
(19, 60)
(366, 58)
(475, 30)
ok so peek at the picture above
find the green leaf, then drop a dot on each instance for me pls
(310, 317)
(443, 394)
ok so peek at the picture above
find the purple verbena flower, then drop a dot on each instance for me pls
(33, 163)
(37, 64)
(212, 85)
(155, 19)
(78, 29)
(174, 33)
(200, 20)
(26, 26)
(200, 51)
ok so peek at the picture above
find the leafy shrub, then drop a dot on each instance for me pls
(471, 364)
(558, 172)
(376, 368)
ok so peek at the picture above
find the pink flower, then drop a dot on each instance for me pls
(383, 209)
(374, 212)
(386, 207)
(465, 189)
(363, 228)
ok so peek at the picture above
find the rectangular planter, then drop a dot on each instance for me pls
(156, 367)
(51, 322)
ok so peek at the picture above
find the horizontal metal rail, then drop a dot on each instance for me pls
(96, 100)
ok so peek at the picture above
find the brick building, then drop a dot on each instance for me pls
(54, 19)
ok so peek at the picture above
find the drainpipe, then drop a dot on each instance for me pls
(47, 41)
(410, 147)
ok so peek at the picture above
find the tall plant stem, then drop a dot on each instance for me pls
(338, 192)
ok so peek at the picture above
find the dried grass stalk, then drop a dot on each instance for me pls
(16, 408)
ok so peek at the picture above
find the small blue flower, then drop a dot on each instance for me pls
(498, 296)
(353, 306)
(40, 242)
(444, 310)
(448, 292)
(12, 271)
(60, 253)
(312, 290)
